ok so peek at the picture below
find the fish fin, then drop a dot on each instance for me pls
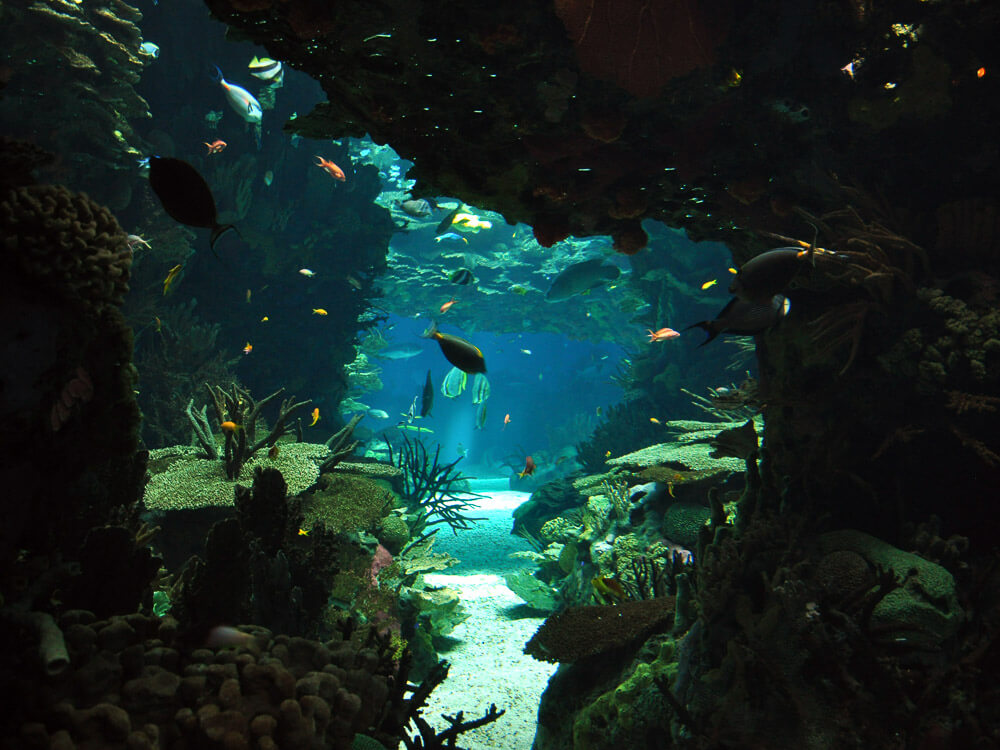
(431, 330)
(217, 232)
(217, 75)
(705, 325)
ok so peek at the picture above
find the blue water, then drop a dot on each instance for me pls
(558, 382)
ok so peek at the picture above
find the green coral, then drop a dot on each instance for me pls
(695, 456)
(683, 521)
(187, 480)
(344, 503)
(393, 533)
(624, 715)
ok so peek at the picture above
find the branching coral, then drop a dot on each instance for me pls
(433, 491)
(236, 413)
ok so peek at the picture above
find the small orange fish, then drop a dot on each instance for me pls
(664, 334)
(331, 169)
(171, 275)
(248, 348)
(529, 468)
(315, 416)
(447, 305)
(319, 311)
(303, 532)
(709, 284)
(215, 147)
(229, 427)
(158, 323)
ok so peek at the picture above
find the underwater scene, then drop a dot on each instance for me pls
(575, 375)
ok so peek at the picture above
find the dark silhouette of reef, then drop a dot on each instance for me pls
(866, 129)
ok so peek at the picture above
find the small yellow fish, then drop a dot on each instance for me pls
(654, 420)
(319, 311)
(303, 532)
(315, 416)
(264, 319)
(670, 489)
(735, 78)
(709, 284)
(607, 454)
(248, 296)
(158, 323)
(732, 270)
(171, 275)
(248, 348)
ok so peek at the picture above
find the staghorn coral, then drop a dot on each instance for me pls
(67, 245)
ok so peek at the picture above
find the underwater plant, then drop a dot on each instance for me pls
(432, 491)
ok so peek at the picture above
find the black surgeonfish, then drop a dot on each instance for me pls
(447, 220)
(185, 196)
(769, 273)
(458, 351)
(742, 318)
(427, 397)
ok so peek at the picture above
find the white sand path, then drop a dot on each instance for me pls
(487, 663)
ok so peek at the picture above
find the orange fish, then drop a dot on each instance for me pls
(529, 468)
(229, 427)
(215, 147)
(447, 305)
(248, 348)
(315, 416)
(664, 334)
(331, 169)
(506, 420)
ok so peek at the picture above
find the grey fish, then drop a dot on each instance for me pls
(481, 416)
(581, 277)
(378, 414)
(417, 208)
(742, 318)
(768, 274)
(427, 397)
(447, 220)
(453, 383)
(399, 352)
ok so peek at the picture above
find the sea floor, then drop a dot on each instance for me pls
(486, 651)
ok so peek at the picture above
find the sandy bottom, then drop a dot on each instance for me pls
(487, 663)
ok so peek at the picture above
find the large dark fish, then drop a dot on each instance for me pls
(742, 318)
(447, 220)
(427, 397)
(581, 277)
(768, 274)
(458, 351)
(185, 196)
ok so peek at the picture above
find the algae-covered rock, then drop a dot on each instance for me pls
(924, 612)
(347, 502)
(393, 533)
(439, 609)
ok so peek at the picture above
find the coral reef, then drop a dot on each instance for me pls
(88, 57)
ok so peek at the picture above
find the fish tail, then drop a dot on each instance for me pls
(706, 326)
(217, 231)
(432, 329)
(217, 75)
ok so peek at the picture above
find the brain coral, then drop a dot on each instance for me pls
(66, 243)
